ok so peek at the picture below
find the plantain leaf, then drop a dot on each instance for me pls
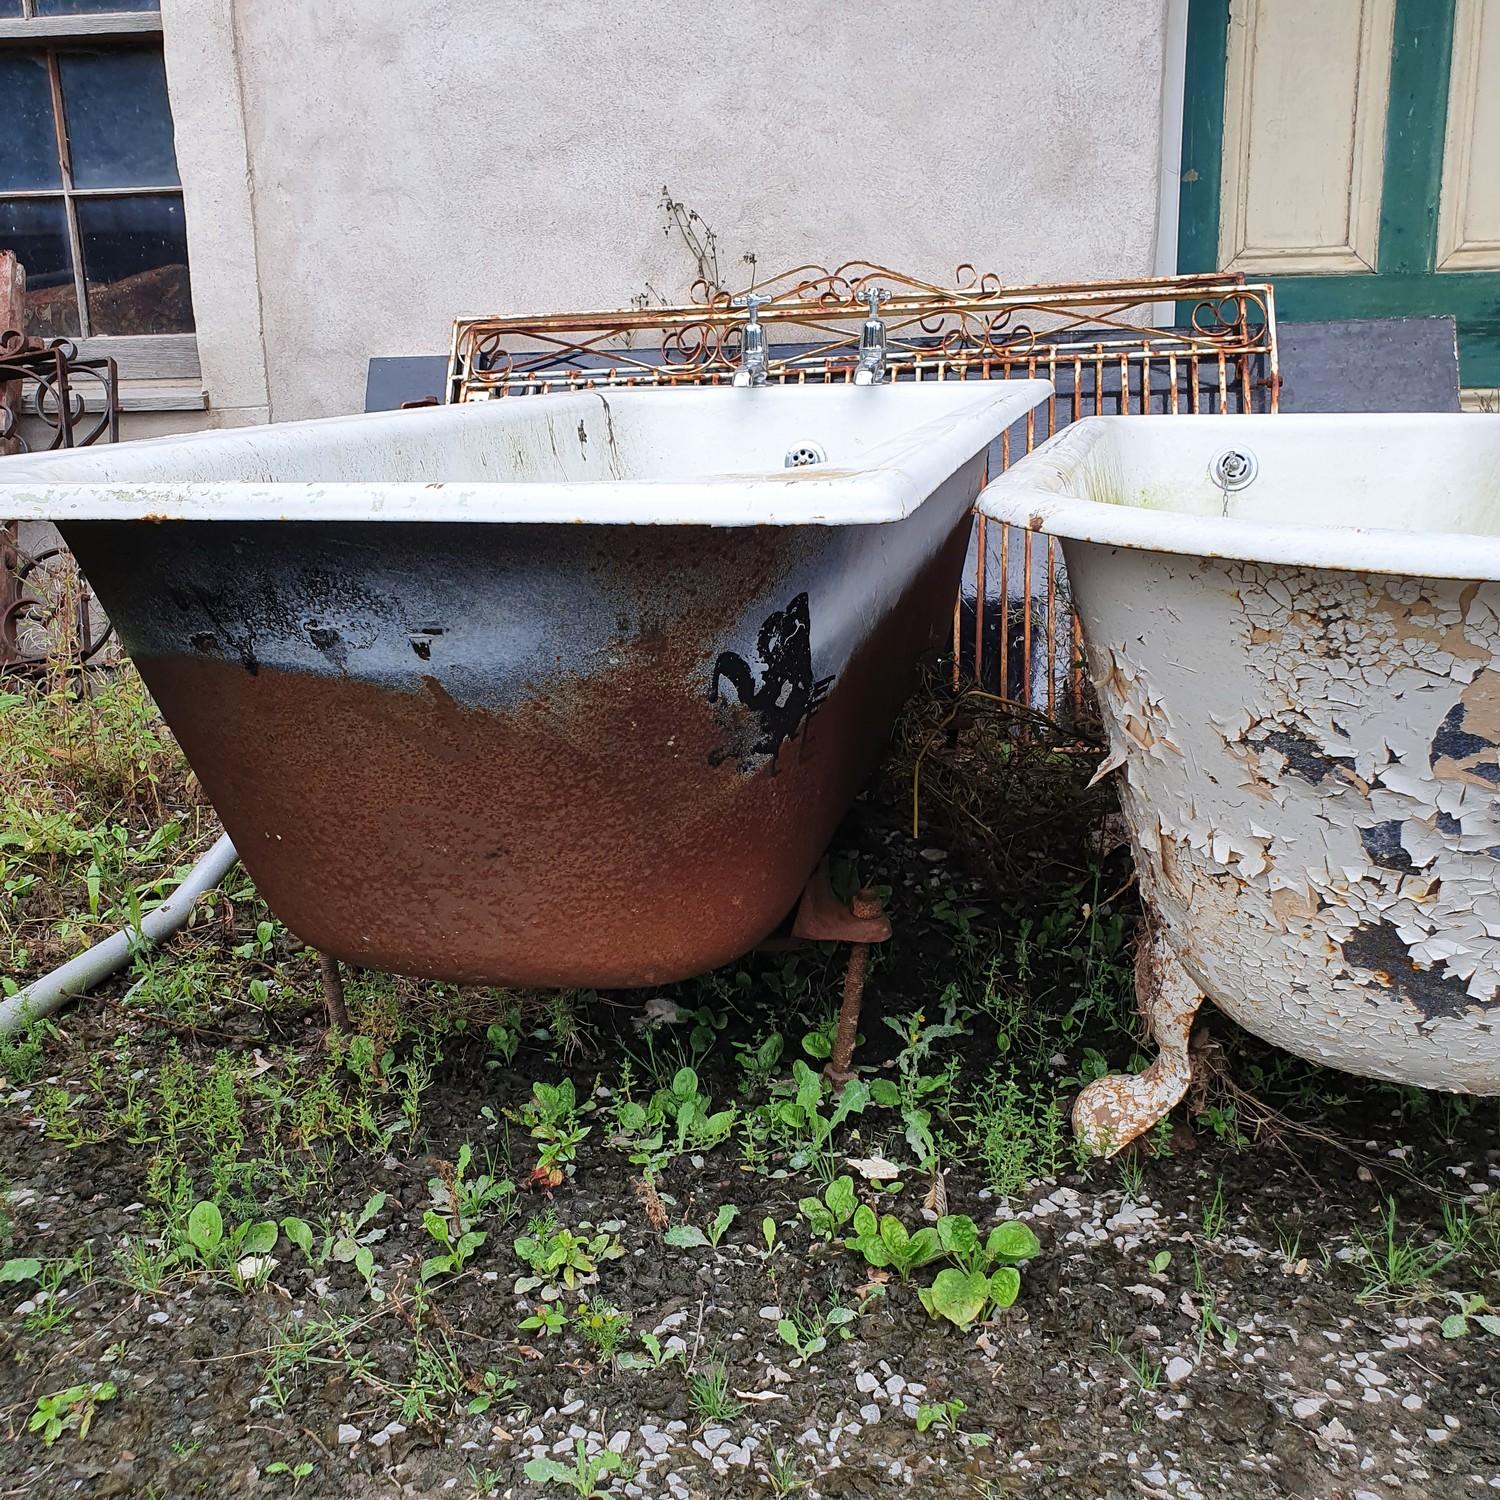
(959, 1296)
(205, 1227)
(1012, 1240)
(1005, 1286)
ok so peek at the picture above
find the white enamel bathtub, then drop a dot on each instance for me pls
(566, 689)
(1297, 655)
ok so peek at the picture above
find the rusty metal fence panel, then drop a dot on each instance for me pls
(68, 400)
(1166, 345)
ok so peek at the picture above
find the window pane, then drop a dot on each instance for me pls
(28, 141)
(135, 264)
(9, 8)
(37, 230)
(91, 7)
(119, 123)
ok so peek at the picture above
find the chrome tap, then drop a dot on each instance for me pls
(752, 370)
(870, 367)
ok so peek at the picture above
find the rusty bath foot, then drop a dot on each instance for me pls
(1116, 1109)
(333, 993)
(865, 907)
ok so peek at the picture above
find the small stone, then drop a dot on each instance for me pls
(1412, 1403)
(870, 1414)
(1334, 1432)
(714, 1436)
(1307, 1407)
(771, 1314)
(657, 1442)
(1437, 1434)
(894, 1386)
(1178, 1369)
(348, 1433)
(866, 1383)
(620, 1442)
(158, 1317)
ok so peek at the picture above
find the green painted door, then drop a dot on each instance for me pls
(1349, 152)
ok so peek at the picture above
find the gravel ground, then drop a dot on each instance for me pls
(1251, 1304)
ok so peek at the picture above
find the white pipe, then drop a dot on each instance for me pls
(1169, 164)
(79, 975)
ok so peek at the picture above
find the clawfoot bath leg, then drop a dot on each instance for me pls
(333, 993)
(822, 917)
(864, 907)
(1112, 1111)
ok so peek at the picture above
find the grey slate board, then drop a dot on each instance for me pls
(404, 377)
(1369, 364)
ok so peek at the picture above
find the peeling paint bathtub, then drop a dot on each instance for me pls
(1293, 628)
(562, 690)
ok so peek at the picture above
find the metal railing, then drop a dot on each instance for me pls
(47, 613)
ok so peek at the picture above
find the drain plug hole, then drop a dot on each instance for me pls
(1233, 469)
(803, 455)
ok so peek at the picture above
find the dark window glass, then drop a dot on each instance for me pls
(28, 142)
(9, 8)
(91, 7)
(37, 230)
(119, 121)
(135, 264)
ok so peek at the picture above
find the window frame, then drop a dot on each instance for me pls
(148, 356)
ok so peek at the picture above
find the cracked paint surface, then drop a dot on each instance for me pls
(1311, 775)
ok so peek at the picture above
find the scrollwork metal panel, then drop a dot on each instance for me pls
(46, 609)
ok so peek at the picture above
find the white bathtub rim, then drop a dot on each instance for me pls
(1033, 494)
(887, 483)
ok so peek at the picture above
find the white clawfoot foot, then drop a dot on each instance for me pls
(1112, 1111)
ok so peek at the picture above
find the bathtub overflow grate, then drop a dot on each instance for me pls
(1233, 469)
(804, 454)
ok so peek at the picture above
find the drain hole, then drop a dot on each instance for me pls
(804, 454)
(1233, 469)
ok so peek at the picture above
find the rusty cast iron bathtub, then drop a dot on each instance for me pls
(1293, 627)
(563, 690)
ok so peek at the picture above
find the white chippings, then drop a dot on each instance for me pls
(1312, 783)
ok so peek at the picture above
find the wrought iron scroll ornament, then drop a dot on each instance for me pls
(49, 383)
(813, 315)
(55, 380)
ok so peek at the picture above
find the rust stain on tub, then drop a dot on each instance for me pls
(595, 834)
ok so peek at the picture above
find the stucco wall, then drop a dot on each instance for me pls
(358, 172)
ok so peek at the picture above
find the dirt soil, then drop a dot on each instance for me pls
(1250, 1304)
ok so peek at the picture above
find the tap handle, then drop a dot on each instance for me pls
(752, 302)
(874, 295)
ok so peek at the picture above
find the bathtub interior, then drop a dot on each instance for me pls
(575, 438)
(1414, 473)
